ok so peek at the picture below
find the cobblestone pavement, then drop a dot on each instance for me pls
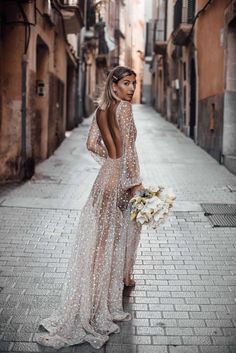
(184, 299)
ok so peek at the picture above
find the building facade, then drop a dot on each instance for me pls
(217, 80)
(114, 37)
(193, 72)
(38, 81)
(55, 56)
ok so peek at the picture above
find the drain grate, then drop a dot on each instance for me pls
(223, 220)
(232, 188)
(218, 208)
(220, 215)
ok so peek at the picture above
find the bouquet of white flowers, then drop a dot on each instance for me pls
(151, 205)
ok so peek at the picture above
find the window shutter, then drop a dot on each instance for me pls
(191, 10)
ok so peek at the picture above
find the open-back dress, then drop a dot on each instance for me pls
(104, 249)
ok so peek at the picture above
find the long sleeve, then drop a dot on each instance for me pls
(94, 143)
(130, 170)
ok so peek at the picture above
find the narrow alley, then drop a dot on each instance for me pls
(184, 298)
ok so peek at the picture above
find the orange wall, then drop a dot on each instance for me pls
(209, 50)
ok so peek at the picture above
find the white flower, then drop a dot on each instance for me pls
(152, 206)
(141, 218)
(158, 215)
(140, 206)
(153, 202)
(135, 199)
(170, 193)
(133, 215)
(154, 189)
(147, 212)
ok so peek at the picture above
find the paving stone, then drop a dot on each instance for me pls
(191, 323)
(136, 339)
(140, 322)
(26, 347)
(184, 349)
(112, 348)
(16, 336)
(202, 331)
(232, 349)
(214, 349)
(225, 341)
(148, 314)
(166, 340)
(177, 331)
(186, 307)
(197, 340)
(150, 331)
(81, 348)
(152, 349)
(202, 315)
(219, 323)
(5, 346)
(163, 322)
(176, 315)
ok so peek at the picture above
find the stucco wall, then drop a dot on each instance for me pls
(210, 127)
(10, 128)
(45, 126)
(209, 48)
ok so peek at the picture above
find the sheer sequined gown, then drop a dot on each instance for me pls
(104, 249)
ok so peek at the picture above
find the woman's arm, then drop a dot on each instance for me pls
(93, 143)
(130, 176)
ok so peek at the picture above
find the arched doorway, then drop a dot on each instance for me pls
(40, 123)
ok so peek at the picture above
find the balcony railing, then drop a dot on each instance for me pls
(184, 12)
(191, 11)
(178, 13)
(70, 2)
(72, 14)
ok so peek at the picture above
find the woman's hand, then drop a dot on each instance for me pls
(136, 188)
(127, 195)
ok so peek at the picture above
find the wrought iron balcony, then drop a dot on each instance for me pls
(160, 47)
(184, 12)
(72, 13)
(70, 2)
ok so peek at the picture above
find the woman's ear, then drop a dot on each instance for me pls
(114, 87)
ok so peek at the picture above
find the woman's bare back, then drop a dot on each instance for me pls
(110, 131)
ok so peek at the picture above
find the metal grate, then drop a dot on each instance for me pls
(232, 188)
(220, 215)
(218, 208)
(223, 220)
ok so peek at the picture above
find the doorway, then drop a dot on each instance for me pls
(40, 123)
(192, 120)
(229, 127)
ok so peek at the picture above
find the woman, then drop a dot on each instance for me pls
(104, 250)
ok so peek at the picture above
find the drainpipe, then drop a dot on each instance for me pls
(79, 97)
(27, 163)
(165, 23)
(197, 95)
(23, 115)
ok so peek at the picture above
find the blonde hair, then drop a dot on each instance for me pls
(108, 95)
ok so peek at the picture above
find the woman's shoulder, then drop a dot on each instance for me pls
(124, 107)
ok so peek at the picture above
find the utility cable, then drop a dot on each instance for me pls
(197, 15)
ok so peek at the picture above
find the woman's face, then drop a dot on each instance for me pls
(125, 87)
